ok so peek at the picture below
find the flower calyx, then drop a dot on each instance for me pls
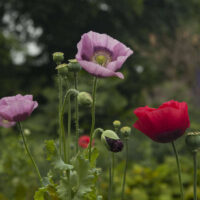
(193, 141)
(112, 142)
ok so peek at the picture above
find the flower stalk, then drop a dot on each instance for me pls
(111, 176)
(195, 174)
(60, 90)
(93, 115)
(76, 111)
(125, 169)
(28, 151)
(66, 97)
(179, 169)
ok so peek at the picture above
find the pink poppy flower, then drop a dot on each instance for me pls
(101, 55)
(17, 108)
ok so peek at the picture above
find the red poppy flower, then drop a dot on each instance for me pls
(84, 141)
(164, 124)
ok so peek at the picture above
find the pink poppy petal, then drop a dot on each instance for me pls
(98, 70)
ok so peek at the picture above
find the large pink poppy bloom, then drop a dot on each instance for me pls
(101, 55)
(17, 108)
(163, 124)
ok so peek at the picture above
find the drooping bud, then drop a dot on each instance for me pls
(125, 131)
(85, 99)
(58, 57)
(112, 141)
(116, 124)
(193, 141)
(74, 66)
(62, 69)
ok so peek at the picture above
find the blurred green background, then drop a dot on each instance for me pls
(165, 37)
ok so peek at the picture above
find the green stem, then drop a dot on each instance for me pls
(67, 96)
(125, 169)
(69, 130)
(111, 178)
(60, 89)
(113, 170)
(195, 174)
(69, 142)
(100, 130)
(179, 170)
(93, 115)
(76, 111)
(28, 151)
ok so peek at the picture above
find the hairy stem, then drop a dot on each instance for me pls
(28, 151)
(93, 115)
(125, 169)
(111, 177)
(179, 170)
(76, 111)
(195, 174)
(60, 95)
(67, 96)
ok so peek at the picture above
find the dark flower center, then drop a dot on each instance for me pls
(114, 145)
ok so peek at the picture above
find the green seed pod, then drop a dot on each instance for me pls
(85, 99)
(62, 69)
(58, 57)
(74, 66)
(126, 131)
(116, 124)
(193, 141)
(111, 140)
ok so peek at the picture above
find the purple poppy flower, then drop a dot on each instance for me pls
(17, 108)
(5, 123)
(101, 55)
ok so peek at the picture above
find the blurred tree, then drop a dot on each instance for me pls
(150, 28)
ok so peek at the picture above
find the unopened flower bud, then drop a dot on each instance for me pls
(85, 99)
(116, 124)
(193, 141)
(74, 66)
(112, 141)
(58, 57)
(126, 131)
(62, 69)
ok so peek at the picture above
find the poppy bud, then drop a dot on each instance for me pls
(116, 124)
(112, 141)
(126, 131)
(58, 57)
(62, 69)
(84, 98)
(74, 66)
(193, 141)
(27, 131)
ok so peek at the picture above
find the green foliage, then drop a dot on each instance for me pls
(156, 183)
(16, 169)
(78, 178)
